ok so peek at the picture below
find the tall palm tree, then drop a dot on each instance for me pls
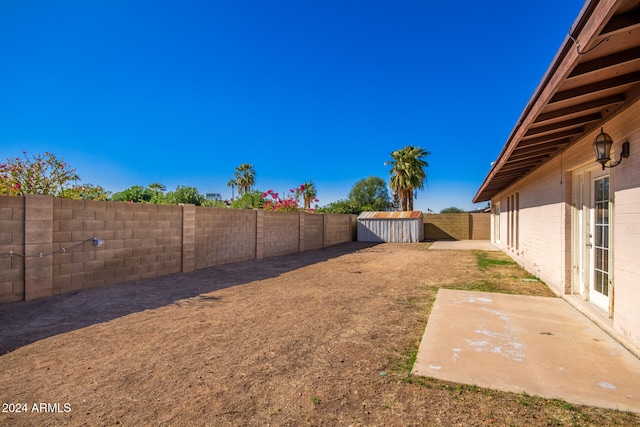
(245, 177)
(232, 183)
(399, 183)
(309, 193)
(407, 174)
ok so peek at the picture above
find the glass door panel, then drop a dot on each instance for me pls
(599, 289)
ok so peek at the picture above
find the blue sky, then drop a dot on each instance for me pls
(182, 92)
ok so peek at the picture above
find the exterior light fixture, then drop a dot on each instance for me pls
(602, 147)
(97, 242)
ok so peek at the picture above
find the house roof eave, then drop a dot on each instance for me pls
(572, 95)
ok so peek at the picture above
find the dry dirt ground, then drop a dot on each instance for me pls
(325, 337)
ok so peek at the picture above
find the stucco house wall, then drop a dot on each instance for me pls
(538, 219)
(555, 210)
(534, 242)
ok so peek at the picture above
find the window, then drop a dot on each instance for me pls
(513, 221)
(601, 238)
(509, 221)
(517, 220)
(496, 222)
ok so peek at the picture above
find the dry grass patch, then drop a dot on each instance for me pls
(320, 338)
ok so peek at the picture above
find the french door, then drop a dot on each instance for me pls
(592, 237)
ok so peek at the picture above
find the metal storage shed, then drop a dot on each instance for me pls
(406, 226)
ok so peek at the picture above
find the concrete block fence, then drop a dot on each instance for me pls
(457, 226)
(140, 241)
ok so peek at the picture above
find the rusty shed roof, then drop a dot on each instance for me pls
(391, 215)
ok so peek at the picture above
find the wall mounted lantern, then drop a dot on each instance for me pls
(602, 146)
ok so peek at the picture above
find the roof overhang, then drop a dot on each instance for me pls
(594, 75)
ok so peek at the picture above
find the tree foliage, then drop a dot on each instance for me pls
(342, 206)
(37, 174)
(245, 177)
(249, 200)
(136, 194)
(452, 209)
(368, 194)
(85, 192)
(214, 203)
(183, 194)
(407, 174)
(309, 193)
(156, 188)
(154, 193)
(232, 183)
(371, 194)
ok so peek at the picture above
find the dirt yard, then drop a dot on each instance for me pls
(324, 337)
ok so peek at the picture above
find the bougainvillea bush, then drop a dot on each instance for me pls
(39, 174)
(291, 203)
(275, 203)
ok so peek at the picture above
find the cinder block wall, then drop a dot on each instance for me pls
(38, 227)
(224, 235)
(459, 226)
(140, 241)
(446, 226)
(480, 226)
(11, 239)
(337, 228)
(281, 233)
(311, 231)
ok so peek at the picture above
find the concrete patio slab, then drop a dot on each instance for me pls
(538, 345)
(464, 245)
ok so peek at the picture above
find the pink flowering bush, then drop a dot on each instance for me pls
(291, 203)
(273, 202)
(39, 174)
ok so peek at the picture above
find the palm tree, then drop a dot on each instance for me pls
(399, 184)
(419, 176)
(232, 183)
(407, 174)
(309, 193)
(157, 188)
(245, 177)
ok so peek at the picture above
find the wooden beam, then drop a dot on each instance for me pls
(523, 165)
(498, 185)
(502, 180)
(530, 160)
(621, 23)
(606, 61)
(562, 141)
(598, 103)
(596, 87)
(511, 173)
(537, 148)
(509, 176)
(577, 121)
(536, 156)
(552, 137)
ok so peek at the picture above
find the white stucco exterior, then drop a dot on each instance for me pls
(555, 210)
(540, 225)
